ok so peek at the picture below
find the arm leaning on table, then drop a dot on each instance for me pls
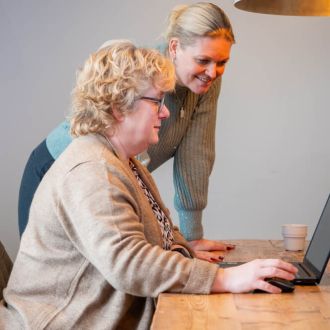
(193, 163)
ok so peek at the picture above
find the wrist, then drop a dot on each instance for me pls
(191, 224)
(219, 284)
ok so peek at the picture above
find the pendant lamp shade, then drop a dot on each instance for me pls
(286, 7)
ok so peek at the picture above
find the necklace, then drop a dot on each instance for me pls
(180, 97)
(182, 112)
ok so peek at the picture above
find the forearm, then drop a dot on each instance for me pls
(218, 283)
(191, 224)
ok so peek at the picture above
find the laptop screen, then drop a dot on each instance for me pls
(319, 246)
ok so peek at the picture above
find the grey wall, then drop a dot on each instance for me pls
(273, 143)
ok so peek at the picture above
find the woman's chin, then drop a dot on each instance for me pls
(154, 140)
(199, 87)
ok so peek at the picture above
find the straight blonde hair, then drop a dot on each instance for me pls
(202, 19)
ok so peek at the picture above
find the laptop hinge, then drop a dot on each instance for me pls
(306, 270)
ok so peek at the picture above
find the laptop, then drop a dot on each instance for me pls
(311, 269)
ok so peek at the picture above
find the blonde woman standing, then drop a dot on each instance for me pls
(198, 41)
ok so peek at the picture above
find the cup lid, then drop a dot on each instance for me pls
(294, 230)
(294, 225)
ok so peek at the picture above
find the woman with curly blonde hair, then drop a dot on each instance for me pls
(112, 80)
(100, 244)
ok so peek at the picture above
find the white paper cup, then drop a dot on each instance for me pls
(294, 236)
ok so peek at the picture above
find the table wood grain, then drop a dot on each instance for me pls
(308, 307)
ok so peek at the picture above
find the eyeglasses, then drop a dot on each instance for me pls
(160, 102)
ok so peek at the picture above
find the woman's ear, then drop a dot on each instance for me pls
(119, 116)
(173, 45)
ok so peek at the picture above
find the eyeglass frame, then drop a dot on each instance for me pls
(160, 102)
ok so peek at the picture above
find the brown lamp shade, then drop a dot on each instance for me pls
(286, 7)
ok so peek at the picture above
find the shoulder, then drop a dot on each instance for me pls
(90, 148)
(58, 139)
(88, 164)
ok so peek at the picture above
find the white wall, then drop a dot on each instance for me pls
(273, 143)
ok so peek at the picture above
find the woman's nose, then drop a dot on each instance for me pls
(164, 112)
(214, 70)
(211, 70)
(220, 70)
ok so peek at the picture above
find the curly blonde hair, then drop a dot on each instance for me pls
(115, 77)
(201, 19)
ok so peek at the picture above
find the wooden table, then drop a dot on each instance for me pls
(307, 308)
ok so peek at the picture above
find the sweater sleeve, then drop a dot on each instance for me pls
(101, 213)
(193, 164)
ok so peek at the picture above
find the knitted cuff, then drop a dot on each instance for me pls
(201, 277)
(191, 224)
